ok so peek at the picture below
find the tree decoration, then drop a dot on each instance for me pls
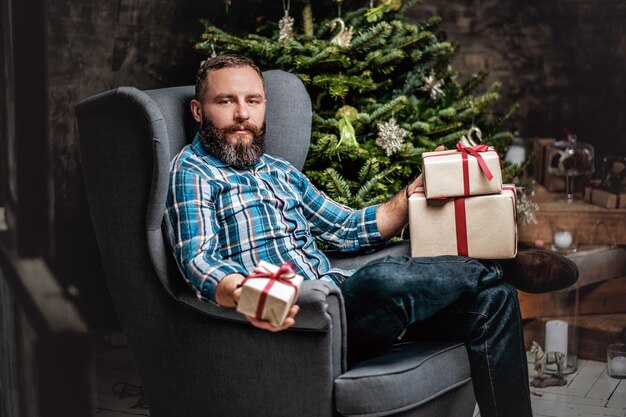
(526, 211)
(344, 37)
(285, 24)
(381, 96)
(433, 86)
(390, 136)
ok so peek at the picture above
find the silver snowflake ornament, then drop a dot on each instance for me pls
(433, 86)
(390, 136)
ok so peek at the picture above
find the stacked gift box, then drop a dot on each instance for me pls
(601, 195)
(463, 208)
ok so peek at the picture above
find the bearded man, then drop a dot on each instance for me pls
(230, 206)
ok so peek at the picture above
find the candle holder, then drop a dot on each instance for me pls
(565, 235)
(554, 327)
(616, 360)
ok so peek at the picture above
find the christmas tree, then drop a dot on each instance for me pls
(383, 91)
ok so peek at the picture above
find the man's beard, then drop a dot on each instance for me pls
(240, 153)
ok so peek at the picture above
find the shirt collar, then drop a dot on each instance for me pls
(199, 149)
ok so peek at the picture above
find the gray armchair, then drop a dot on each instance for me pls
(197, 359)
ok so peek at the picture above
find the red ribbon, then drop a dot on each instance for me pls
(284, 274)
(460, 220)
(475, 152)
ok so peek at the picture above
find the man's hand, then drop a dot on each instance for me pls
(228, 293)
(266, 325)
(419, 181)
(228, 290)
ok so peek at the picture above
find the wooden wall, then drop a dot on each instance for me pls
(562, 60)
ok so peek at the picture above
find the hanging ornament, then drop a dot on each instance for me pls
(344, 37)
(213, 53)
(390, 136)
(285, 25)
(433, 85)
(466, 140)
(227, 4)
(347, 134)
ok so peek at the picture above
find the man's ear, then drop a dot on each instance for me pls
(196, 110)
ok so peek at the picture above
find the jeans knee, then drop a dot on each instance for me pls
(500, 298)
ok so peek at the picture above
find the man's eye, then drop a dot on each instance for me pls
(254, 101)
(225, 101)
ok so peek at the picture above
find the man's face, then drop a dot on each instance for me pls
(232, 114)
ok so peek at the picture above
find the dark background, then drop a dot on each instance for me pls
(563, 61)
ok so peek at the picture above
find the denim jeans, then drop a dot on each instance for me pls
(454, 298)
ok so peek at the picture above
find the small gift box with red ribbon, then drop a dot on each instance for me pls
(468, 170)
(269, 292)
(482, 227)
(597, 194)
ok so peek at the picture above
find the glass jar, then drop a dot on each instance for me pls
(571, 159)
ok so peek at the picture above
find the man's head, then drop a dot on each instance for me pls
(230, 107)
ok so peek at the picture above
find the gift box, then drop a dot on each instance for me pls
(482, 227)
(269, 292)
(594, 194)
(465, 171)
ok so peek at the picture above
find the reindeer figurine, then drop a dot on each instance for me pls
(542, 359)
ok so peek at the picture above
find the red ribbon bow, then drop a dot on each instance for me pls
(474, 151)
(284, 274)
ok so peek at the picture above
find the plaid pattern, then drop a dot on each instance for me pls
(222, 220)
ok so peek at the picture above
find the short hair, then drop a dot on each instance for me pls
(219, 62)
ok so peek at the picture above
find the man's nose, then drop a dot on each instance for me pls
(242, 112)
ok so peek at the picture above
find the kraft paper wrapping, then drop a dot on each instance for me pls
(605, 198)
(279, 298)
(443, 174)
(491, 227)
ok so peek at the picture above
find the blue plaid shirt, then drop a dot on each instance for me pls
(222, 220)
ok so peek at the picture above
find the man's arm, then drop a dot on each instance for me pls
(393, 215)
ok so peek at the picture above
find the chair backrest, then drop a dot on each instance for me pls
(127, 139)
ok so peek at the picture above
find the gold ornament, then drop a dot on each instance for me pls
(344, 37)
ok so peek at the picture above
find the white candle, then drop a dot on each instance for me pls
(618, 366)
(556, 336)
(562, 240)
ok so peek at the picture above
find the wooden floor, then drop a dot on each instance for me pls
(590, 392)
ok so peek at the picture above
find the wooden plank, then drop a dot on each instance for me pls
(603, 297)
(596, 332)
(598, 225)
(618, 399)
(597, 264)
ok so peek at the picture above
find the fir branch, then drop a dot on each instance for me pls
(393, 106)
(378, 33)
(369, 169)
(337, 185)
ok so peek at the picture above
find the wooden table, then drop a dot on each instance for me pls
(598, 225)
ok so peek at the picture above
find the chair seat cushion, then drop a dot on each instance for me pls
(405, 377)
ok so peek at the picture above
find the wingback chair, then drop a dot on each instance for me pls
(197, 359)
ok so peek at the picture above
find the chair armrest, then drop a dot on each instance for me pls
(319, 302)
(346, 260)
